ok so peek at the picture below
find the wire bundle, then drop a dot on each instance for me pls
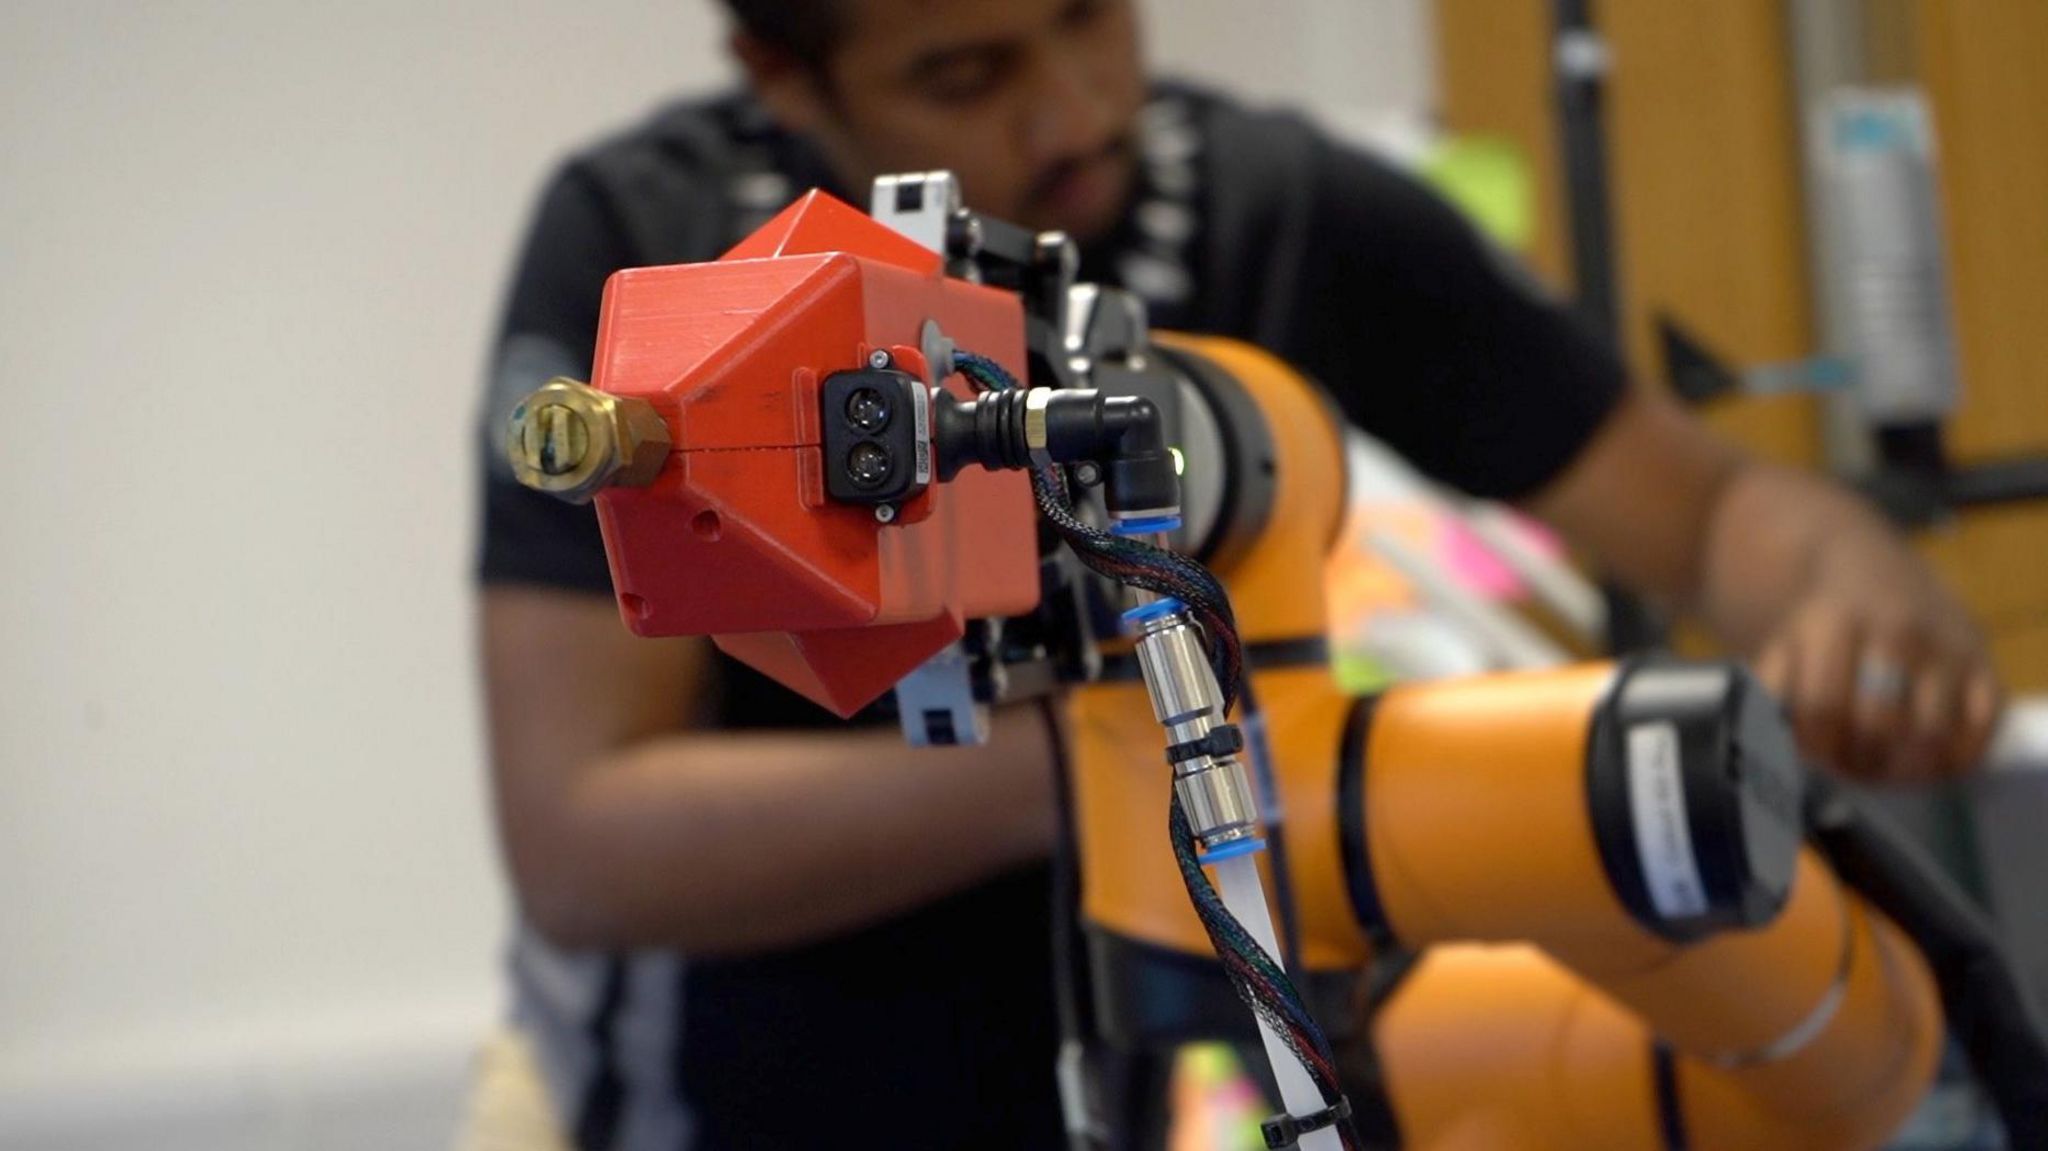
(1259, 980)
(1129, 561)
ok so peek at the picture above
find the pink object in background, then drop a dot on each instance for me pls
(1481, 570)
(1474, 564)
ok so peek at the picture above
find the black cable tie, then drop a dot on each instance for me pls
(1221, 740)
(1283, 1131)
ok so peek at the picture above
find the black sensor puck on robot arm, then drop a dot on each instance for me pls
(1695, 787)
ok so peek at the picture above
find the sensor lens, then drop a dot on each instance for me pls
(868, 410)
(868, 464)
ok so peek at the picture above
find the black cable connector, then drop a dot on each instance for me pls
(1122, 433)
(987, 430)
(1283, 1131)
(1221, 740)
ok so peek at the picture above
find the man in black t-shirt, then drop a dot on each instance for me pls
(746, 925)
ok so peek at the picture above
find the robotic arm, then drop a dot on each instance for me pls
(817, 451)
(1623, 943)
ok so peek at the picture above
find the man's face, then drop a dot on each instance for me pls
(1032, 103)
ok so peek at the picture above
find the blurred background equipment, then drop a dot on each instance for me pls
(1877, 159)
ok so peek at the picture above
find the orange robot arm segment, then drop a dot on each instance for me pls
(1626, 942)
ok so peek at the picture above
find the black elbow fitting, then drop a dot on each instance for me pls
(1138, 474)
(1125, 434)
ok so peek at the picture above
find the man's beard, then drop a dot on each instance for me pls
(1118, 156)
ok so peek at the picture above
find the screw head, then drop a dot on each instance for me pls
(1055, 252)
(963, 235)
(884, 513)
(1087, 473)
(879, 358)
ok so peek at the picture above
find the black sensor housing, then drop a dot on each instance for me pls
(876, 442)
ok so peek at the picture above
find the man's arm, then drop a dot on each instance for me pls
(1880, 668)
(625, 829)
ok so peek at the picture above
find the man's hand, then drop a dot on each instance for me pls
(1882, 673)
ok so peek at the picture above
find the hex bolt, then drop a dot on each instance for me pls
(570, 440)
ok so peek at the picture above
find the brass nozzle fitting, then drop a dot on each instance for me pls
(569, 440)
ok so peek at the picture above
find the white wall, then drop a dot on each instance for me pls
(249, 259)
(249, 256)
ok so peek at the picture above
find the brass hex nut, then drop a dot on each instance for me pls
(570, 440)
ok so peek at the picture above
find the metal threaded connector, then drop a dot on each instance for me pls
(570, 440)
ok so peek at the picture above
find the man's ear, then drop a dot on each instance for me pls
(790, 89)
